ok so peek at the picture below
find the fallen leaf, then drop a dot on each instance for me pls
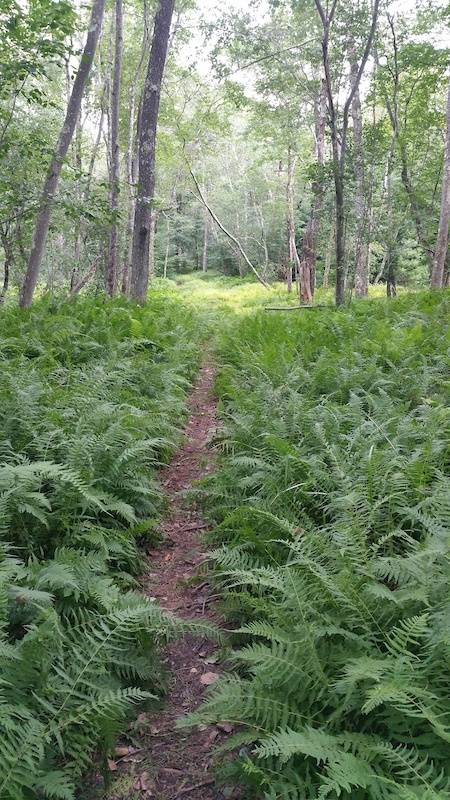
(121, 750)
(144, 782)
(209, 677)
(112, 766)
(142, 717)
(193, 671)
(167, 557)
(213, 735)
(226, 727)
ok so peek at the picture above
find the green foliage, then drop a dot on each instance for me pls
(332, 507)
(76, 655)
(91, 401)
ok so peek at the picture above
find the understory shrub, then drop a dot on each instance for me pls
(332, 505)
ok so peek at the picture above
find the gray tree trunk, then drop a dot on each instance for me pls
(309, 254)
(147, 143)
(437, 275)
(205, 243)
(54, 170)
(132, 154)
(115, 154)
(361, 272)
(339, 138)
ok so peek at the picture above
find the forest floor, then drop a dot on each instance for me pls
(168, 763)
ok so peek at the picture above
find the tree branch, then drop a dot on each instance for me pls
(229, 235)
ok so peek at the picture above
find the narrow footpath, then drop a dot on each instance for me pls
(168, 763)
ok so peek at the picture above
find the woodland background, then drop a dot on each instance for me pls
(256, 129)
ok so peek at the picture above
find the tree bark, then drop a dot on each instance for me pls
(132, 154)
(309, 253)
(339, 138)
(437, 275)
(9, 258)
(65, 137)
(205, 243)
(293, 261)
(361, 273)
(115, 154)
(147, 143)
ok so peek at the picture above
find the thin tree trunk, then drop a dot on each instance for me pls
(147, 142)
(151, 244)
(290, 223)
(78, 166)
(132, 153)
(9, 258)
(416, 210)
(437, 275)
(339, 142)
(166, 255)
(361, 275)
(326, 272)
(111, 271)
(205, 243)
(65, 137)
(309, 243)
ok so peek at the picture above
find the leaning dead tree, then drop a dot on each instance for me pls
(61, 149)
(201, 198)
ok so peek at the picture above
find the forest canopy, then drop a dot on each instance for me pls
(299, 141)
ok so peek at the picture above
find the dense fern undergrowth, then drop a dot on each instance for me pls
(332, 505)
(92, 395)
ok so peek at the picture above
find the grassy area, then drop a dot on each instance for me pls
(333, 516)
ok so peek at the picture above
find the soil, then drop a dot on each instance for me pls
(168, 763)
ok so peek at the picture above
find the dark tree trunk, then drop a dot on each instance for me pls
(65, 138)
(115, 154)
(147, 142)
(440, 256)
(9, 258)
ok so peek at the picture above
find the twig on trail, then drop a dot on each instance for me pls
(295, 308)
(188, 789)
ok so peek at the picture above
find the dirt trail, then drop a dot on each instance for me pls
(170, 763)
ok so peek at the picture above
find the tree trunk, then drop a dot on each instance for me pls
(205, 243)
(309, 243)
(326, 272)
(151, 244)
(290, 223)
(166, 255)
(9, 258)
(111, 271)
(65, 137)
(437, 275)
(361, 274)
(132, 154)
(147, 142)
(339, 142)
(416, 210)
